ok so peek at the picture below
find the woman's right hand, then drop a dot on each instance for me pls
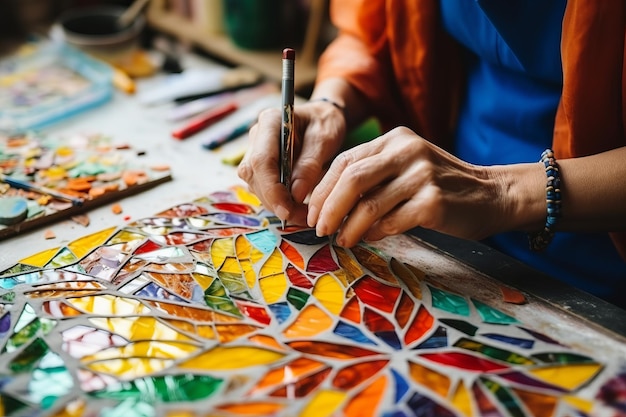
(320, 129)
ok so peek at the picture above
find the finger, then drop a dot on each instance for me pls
(347, 186)
(372, 207)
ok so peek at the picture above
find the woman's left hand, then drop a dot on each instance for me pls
(400, 180)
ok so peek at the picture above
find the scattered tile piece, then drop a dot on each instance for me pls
(160, 167)
(81, 219)
(49, 234)
(126, 218)
(116, 209)
(512, 296)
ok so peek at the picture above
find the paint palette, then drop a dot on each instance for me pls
(45, 82)
(70, 174)
(211, 309)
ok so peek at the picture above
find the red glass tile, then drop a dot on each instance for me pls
(404, 310)
(255, 312)
(352, 310)
(376, 294)
(422, 322)
(322, 261)
(297, 278)
(148, 246)
(464, 361)
(376, 322)
(351, 376)
(292, 254)
(234, 208)
(302, 387)
(331, 350)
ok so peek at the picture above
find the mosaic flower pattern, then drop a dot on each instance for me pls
(210, 309)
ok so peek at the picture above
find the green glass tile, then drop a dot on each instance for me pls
(17, 269)
(130, 408)
(169, 388)
(11, 405)
(297, 298)
(505, 397)
(461, 325)
(452, 303)
(29, 357)
(562, 358)
(493, 352)
(235, 283)
(64, 258)
(8, 297)
(492, 315)
(50, 381)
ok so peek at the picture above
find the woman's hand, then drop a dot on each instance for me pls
(399, 181)
(319, 131)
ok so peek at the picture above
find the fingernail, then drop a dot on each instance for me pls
(321, 230)
(311, 217)
(281, 212)
(297, 191)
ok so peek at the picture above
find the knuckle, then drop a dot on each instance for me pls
(370, 206)
(269, 113)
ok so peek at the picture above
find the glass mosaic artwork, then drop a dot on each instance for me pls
(92, 167)
(211, 309)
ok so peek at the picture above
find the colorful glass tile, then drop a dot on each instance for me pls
(210, 308)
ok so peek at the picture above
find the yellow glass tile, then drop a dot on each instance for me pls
(109, 305)
(139, 328)
(124, 236)
(220, 249)
(145, 349)
(130, 368)
(248, 272)
(203, 330)
(324, 403)
(82, 246)
(351, 267)
(581, 404)
(258, 408)
(229, 332)
(247, 197)
(273, 265)
(243, 247)
(311, 321)
(366, 402)
(411, 277)
(273, 287)
(434, 380)
(180, 413)
(231, 265)
(40, 259)
(462, 400)
(330, 293)
(569, 377)
(264, 340)
(204, 281)
(225, 318)
(223, 358)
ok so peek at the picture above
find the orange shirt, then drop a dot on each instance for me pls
(397, 54)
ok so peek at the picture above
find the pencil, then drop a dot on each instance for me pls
(287, 128)
(25, 185)
(205, 120)
(227, 135)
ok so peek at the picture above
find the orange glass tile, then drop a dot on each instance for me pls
(292, 254)
(289, 373)
(404, 310)
(353, 375)
(302, 387)
(180, 284)
(351, 267)
(267, 341)
(229, 332)
(376, 294)
(375, 263)
(223, 358)
(410, 276)
(323, 403)
(184, 312)
(422, 323)
(59, 309)
(367, 402)
(204, 281)
(434, 380)
(537, 403)
(330, 293)
(331, 350)
(82, 246)
(586, 406)
(352, 310)
(258, 408)
(205, 331)
(75, 408)
(311, 321)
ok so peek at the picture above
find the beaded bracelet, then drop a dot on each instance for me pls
(540, 240)
(334, 103)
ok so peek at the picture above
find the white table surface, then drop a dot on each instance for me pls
(196, 171)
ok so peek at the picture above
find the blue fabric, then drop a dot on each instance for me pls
(514, 86)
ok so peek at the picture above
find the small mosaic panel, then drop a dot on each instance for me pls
(211, 309)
